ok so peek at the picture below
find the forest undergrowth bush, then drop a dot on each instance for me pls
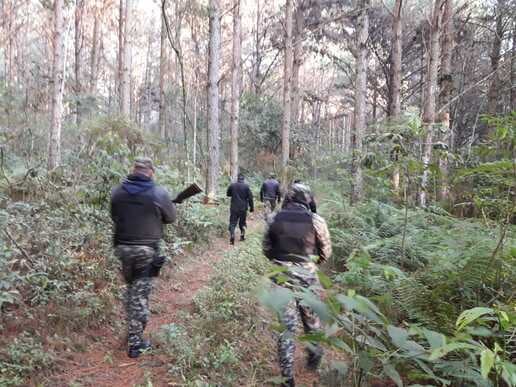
(417, 295)
(225, 329)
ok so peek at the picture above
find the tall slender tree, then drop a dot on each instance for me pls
(213, 99)
(430, 93)
(287, 86)
(359, 120)
(394, 102)
(54, 139)
(95, 47)
(235, 88)
(495, 56)
(163, 57)
(125, 55)
(445, 92)
(79, 11)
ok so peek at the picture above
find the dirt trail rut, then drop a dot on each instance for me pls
(105, 362)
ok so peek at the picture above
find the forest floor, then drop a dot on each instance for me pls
(105, 361)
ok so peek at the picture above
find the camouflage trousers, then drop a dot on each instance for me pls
(299, 275)
(135, 262)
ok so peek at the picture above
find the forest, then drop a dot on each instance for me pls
(400, 115)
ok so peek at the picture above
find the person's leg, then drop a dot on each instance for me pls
(311, 323)
(272, 203)
(286, 344)
(242, 224)
(233, 220)
(138, 313)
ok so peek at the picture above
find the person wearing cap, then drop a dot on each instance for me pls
(241, 200)
(294, 235)
(139, 208)
(270, 193)
(312, 204)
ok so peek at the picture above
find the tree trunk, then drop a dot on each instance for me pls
(298, 60)
(54, 140)
(94, 51)
(394, 100)
(394, 108)
(287, 86)
(235, 89)
(162, 74)
(255, 71)
(121, 20)
(125, 81)
(446, 87)
(513, 69)
(492, 94)
(79, 7)
(430, 99)
(359, 121)
(213, 99)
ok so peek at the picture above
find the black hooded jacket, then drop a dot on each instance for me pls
(139, 208)
(241, 196)
(270, 190)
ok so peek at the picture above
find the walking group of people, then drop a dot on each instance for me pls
(294, 234)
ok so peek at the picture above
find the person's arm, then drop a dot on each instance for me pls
(165, 205)
(261, 192)
(313, 205)
(322, 236)
(278, 192)
(111, 205)
(229, 192)
(267, 241)
(250, 199)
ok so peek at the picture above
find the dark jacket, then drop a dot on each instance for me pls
(139, 208)
(241, 196)
(295, 233)
(270, 190)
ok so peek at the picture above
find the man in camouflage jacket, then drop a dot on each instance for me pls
(139, 208)
(294, 235)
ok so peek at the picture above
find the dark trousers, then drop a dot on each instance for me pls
(237, 217)
(270, 204)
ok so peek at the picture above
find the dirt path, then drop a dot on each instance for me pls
(105, 363)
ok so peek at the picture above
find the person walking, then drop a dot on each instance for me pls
(241, 200)
(293, 236)
(139, 208)
(270, 193)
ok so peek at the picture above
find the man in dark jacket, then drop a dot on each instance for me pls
(241, 200)
(270, 194)
(312, 204)
(293, 236)
(139, 208)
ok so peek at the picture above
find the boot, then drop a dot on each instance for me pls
(136, 350)
(288, 383)
(232, 240)
(242, 237)
(314, 358)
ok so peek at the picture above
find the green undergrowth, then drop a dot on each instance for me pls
(226, 329)
(424, 266)
(58, 276)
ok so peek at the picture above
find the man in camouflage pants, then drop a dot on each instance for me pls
(139, 208)
(294, 235)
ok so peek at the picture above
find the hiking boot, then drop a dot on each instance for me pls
(232, 240)
(314, 358)
(242, 238)
(136, 350)
(288, 383)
